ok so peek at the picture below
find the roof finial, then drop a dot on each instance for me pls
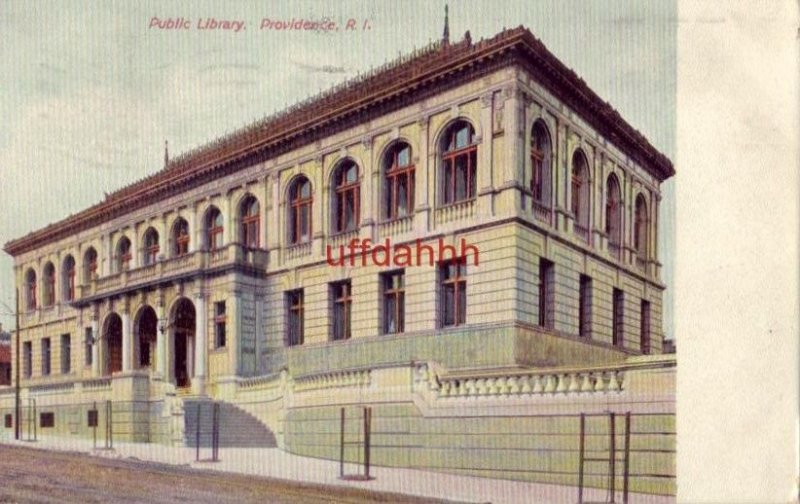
(446, 33)
(166, 153)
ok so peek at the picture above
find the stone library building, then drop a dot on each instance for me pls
(463, 241)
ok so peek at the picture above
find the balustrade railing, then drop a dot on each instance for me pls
(299, 250)
(541, 212)
(396, 226)
(455, 211)
(581, 232)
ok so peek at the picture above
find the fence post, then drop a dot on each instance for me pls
(367, 429)
(581, 455)
(341, 445)
(215, 434)
(35, 431)
(626, 473)
(613, 459)
(197, 435)
(94, 426)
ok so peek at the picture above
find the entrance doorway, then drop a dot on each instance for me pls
(113, 340)
(183, 343)
(146, 328)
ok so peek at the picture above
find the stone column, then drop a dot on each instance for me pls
(127, 340)
(234, 334)
(228, 219)
(200, 344)
(135, 250)
(95, 348)
(423, 162)
(195, 231)
(264, 190)
(567, 217)
(161, 357)
(484, 183)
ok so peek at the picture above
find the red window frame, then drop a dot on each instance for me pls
(546, 301)
(50, 286)
(71, 282)
(124, 254)
(450, 159)
(395, 174)
(250, 223)
(215, 227)
(454, 281)
(345, 191)
(577, 186)
(220, 319)
(299, 205)
(181, 238)
(31, 282)
(394, 302)
(640, 228)
(151, 247)
(342, 310)
(294, 332)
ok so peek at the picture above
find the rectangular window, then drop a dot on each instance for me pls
(9, 423)
(617, 332)
(219, 324)
(27, 359)
(341, 292)
(585, 306)
(294, 303)
(66, 358)
(645, 329)
(88, 346)
(394, 305)
(47, 420)
(91, 420)
(45, 356)
(453, 291)
(546, 294)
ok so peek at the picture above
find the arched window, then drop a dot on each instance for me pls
(49, 296)
(30, 289)
(151, 246)
(180, 237)
(459, 161)
(89, 265)
(580, 195)
(123, 254)
(214, 228)
(250, 218)
(68, 278)
(640, 228)
(540, 170)
(300, 202)
(398, 199)
(613, 215)
(345, 205)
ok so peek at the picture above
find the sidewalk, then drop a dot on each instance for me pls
(275, 463)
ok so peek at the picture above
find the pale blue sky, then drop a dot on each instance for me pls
(88, 92)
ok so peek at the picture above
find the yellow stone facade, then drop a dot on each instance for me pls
(502, 330)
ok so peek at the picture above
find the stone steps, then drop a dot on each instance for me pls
(237, 428)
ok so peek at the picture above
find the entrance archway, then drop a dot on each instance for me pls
(183, 330)
(112, 337)
(145, 329)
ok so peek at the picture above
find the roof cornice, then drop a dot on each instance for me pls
(410, 78)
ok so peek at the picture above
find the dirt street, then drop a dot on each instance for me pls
(31, 475)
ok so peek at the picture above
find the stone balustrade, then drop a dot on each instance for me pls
(339, 379)
(521, 383)
(455, 212)
(395, 227)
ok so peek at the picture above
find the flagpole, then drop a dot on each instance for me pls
(17, 399)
